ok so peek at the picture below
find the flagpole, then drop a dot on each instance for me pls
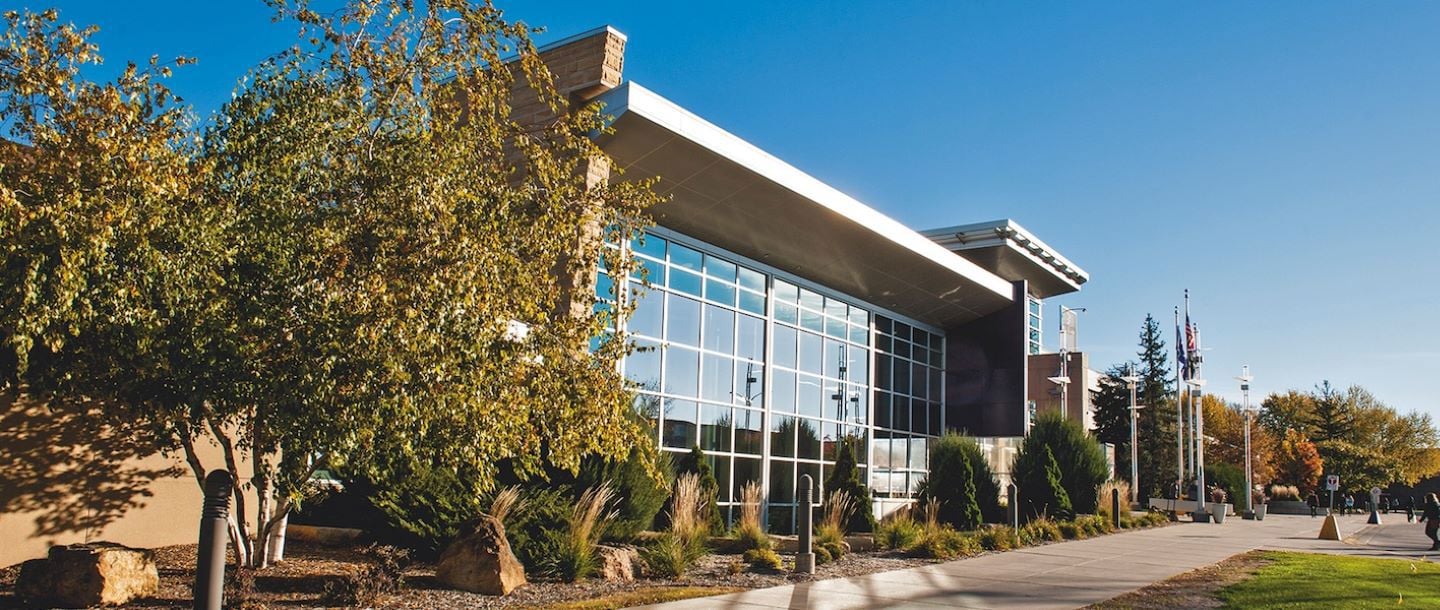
(1199, 416)
(1179, 409)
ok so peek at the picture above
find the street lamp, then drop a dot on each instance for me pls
(1244, 380)
(1131, 380)
(1198, 428)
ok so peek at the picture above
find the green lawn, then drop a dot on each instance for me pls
(1304, 580)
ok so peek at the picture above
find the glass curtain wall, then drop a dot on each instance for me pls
(767, 376)
(909, 366)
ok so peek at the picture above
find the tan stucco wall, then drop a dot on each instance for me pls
(66, 478)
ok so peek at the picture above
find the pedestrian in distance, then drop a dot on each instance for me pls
(1314, 503)
(1349, 503)
(1410, 509)
(1431, 516)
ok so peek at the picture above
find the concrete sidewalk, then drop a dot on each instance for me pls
(1067, 574)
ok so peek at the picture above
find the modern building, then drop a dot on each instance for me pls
(783, 315)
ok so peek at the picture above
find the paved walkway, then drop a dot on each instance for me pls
(1078, 573)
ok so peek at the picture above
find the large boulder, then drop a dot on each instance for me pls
(480, 560)
(617, 563)
(90, 574)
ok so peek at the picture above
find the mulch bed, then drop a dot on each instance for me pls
(299, 581)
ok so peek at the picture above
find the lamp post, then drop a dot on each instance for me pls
(1244, 380)
(1131, 380)
(1199, 430)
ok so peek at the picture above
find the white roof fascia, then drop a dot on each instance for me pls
(1032, 247)
(631, 97)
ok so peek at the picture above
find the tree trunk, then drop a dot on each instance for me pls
(244, 551)
(275, 541)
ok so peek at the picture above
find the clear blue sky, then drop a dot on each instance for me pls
(1280, 160)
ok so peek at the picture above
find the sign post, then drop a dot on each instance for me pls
(1374, 506)
(1332, 483)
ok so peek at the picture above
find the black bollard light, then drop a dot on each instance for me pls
(805, 553)
(1115, 506)
(1012, 498)
(209, 589)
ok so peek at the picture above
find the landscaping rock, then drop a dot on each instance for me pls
(480, 560)
(618, 563)
(90, 574)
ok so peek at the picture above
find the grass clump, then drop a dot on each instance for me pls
(1102, 495)
(998, 538)
(1285, 492)
(946, 543)
(749, 533)
(1038, 531)
(1071, 530)
(835, 521)
(762, 559)
(684, 543)
(899, 531)
(572, 554)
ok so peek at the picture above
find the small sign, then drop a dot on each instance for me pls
(1332, 482)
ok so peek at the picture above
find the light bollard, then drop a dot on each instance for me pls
(1012, 499)
(1115, 506)
(805, 552)
(209, 591)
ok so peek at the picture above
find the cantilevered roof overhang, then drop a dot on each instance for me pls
(1005, 248)
(730, 193)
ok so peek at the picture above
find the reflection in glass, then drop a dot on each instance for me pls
(649, 312)
(715, 426)
(752, 338)
(808, 439)
(749, 431)
(717, 383)
(752, 302)
(719, 329)
(812, 359)
(785, 346)
(683, 325)
(688, 258)
(684, 281)
(782, 436)
(810, 320)
(650, 245)
(642, 366)
(721, 466)
(787, 313)
(835, 356)
(917, 452)
(810, 396)
(720, 293)
(782, 481)
(782, 391)
(682, 368)
(719, 267)
(679, 424)
(752, 279)
(811, 300)
(882, 410)
(749, 383)
(786, 292)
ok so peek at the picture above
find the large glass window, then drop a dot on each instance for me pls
(734, 359)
